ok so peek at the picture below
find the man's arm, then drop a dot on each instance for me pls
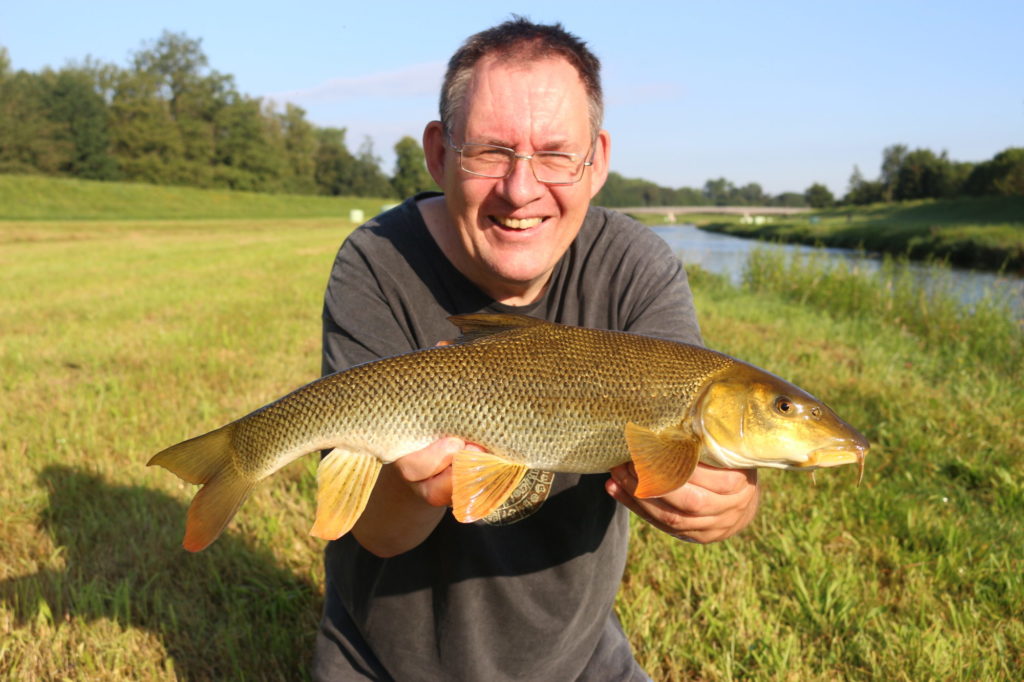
(416, 489)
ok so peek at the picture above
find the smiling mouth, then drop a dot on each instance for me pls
(517, 223)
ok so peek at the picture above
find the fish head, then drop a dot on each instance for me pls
(750, 418)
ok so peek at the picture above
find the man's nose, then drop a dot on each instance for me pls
(521, 186)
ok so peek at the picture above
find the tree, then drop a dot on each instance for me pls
(175, 60)
(300, 144)
(751, 194)
(248, 154)
(1008, 172)
(145, 140)
(861, 191)
(368, 180)
(923, 174)
(1002, 175)
(29, 140)
(892, 161)
(719, 191)
(687, 196)
(74, 103)
(818, 196)
(196, 97)
(411, 174)
(790, 200)
(333, 162)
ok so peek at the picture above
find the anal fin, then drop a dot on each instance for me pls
(525, 500)
(344, 483)
(481, 482)
(663, 462)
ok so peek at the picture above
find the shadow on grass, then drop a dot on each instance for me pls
(232, 611)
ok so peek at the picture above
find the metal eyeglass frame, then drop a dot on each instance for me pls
(515, 156)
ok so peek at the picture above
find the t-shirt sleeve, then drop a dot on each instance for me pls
(652, 290)
(666, 309)
(359, 324)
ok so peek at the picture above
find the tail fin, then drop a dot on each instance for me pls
(207, 460)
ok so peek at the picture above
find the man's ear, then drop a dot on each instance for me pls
(599, 169)
(434, 150)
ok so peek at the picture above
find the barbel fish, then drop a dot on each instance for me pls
(535, 395)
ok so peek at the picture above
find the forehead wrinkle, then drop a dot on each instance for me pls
(513, 105)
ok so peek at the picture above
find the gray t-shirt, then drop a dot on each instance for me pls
(530, 600)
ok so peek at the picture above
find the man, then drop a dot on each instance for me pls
(411, 593)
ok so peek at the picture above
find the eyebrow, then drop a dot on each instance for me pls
(558, 144)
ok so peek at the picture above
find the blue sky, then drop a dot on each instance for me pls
(781, 93)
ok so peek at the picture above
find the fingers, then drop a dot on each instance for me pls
(428, 462)
(428, 472)
(713, 505)
(722, 481)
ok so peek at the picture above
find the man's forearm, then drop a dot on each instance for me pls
(396, 518)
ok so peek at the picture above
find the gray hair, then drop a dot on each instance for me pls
(520, 40)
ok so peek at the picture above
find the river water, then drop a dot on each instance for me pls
(727, 255)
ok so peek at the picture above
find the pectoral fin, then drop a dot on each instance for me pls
(481, 482)
(663, 462)
(344, 481)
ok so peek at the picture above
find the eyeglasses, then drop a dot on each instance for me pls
(492, 161)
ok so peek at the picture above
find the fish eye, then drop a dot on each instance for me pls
(784, 406)
(816, 412)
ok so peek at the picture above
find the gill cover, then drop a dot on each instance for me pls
(750, 418)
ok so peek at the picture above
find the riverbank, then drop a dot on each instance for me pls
(985, 233)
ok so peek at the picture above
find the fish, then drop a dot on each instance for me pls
(537, 397)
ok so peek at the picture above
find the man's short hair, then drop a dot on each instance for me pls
(519, 39)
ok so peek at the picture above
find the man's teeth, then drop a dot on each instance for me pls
(516, 224)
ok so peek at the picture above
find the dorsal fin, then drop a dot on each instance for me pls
(477, 325)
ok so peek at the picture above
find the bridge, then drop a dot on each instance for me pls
(670, 212)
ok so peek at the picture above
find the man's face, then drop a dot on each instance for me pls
(507, 234)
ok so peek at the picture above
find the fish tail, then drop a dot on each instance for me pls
(207, 460)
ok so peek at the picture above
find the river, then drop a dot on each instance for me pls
(726, 255)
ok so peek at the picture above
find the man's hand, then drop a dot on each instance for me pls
(713, 505)
(409, 499)
(428, 472)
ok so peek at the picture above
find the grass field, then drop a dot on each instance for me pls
(37, 197)
(120, 337)
(985, 233)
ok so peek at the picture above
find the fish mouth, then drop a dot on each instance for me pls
(837, 455)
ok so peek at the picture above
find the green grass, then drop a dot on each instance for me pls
(37, 197)
(121, 337)
(985, 233)
(917, 573)
(114, 345)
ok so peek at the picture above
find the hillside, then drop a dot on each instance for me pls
(35, 197)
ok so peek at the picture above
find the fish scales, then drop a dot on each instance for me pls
(549, 397)
(533, 395)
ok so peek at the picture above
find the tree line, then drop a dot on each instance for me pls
(622, 191)
(905, 174)
(922, 174)
(167, 118)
